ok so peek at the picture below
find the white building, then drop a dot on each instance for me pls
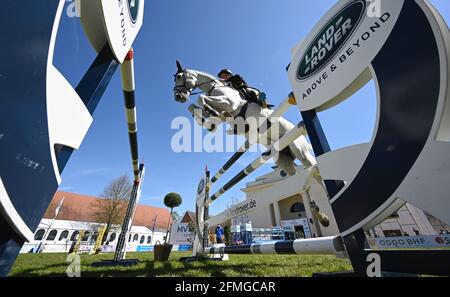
(79, 215)
(289, 210)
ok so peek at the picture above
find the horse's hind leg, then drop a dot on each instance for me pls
(300, 148)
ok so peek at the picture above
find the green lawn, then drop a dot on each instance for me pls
(238, 265)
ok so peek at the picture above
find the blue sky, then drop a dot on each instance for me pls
(252, 37)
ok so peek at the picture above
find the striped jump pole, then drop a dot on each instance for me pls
(128, 86)
(330, 245)
(127, 70)
(280, 110)
(274, 149)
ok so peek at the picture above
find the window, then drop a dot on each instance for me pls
(149, 239)
(74, 236)
(142, 239)
(94, 237)
(64, 235)
(298, 207)
(129, 238)
(39, 234)
(135, 237)
(51, 236)
(112, 237)
(85, 236)
(392, 233)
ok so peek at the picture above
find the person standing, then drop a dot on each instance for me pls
(219, 234)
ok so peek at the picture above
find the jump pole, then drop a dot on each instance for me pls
(274, 149)
(325, 245)
(330, 245)
(280, 110)
(128, 87)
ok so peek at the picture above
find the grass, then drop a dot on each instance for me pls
(30, 265)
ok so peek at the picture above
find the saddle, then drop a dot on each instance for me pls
(254, 95)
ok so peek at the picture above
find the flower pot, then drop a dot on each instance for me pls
(162, 251)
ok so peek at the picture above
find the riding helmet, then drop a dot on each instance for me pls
(225, 71)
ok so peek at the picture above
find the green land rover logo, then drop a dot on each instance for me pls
(200, 187)
(331, 39)
(133, 6)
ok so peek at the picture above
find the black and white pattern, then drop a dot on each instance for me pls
(281, 109)
(127, 69)
(275, 148)
(325, 246)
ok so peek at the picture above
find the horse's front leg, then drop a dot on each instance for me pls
(211, 116)
(204, 101)
(202, 118)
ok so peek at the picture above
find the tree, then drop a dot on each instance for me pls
(171, 200)
(111, 209)
(227, 233)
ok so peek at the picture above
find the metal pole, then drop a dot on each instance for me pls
(274, 149)
(281, 109)
(330, 245)
(128, 86)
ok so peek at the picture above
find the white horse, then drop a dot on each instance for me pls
(220, 103)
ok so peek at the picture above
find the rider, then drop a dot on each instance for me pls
(237, 82)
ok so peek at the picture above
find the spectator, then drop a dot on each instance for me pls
(219, 234)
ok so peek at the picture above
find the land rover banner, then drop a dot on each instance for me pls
(404, 49)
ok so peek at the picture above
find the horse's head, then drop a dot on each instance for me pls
(184, 84)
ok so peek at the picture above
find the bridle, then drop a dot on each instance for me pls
(183, 88)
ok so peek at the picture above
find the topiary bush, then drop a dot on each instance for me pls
(171, 200)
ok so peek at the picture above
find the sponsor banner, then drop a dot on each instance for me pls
(144, 248)
(330, 64)
(180, 234)
(425, 241)
(242, 208)
(201, 191)
(298, 222)
(185, 247)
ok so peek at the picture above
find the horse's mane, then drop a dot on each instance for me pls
(206, 74)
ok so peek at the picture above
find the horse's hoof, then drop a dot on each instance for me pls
(212, 128)
(324, 221)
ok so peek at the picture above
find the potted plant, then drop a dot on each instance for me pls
(162, 251)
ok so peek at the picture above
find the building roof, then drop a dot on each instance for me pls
(77, 207)
(189, 216)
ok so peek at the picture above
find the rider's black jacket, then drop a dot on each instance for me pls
(237, 82)
(241, 85)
